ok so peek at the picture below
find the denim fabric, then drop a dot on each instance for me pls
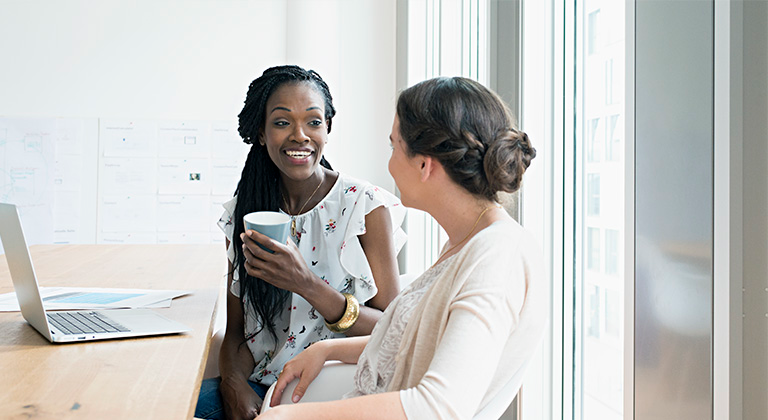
(209, 405)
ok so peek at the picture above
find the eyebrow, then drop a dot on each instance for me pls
(280, 107)
(286, 109)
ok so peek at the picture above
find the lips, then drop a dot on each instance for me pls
(299, 154)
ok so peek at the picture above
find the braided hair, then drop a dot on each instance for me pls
(259, 186)
(469, 130)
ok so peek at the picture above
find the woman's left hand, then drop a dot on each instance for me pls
(284, 268)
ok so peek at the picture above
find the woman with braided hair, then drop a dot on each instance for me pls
(466, 328)
(336, 273)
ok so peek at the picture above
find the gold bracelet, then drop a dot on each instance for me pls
(349, 318)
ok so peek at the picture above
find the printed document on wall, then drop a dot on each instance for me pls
(127, 138)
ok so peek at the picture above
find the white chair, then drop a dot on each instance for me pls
(333, 381)
(336, 379)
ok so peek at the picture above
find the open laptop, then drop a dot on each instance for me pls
(69, 326)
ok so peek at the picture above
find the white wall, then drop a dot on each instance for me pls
(194, 60)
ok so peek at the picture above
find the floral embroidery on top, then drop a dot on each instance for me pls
(349, 285)
(366, 283)
(350, 189)
(291, 341)
(369, 194)
(330, 227)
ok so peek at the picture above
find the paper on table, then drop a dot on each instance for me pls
(69, 298)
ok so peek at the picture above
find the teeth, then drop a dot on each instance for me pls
(297, 154)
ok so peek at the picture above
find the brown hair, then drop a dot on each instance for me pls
(469, 130)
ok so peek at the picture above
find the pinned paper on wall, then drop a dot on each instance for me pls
(183, 139)
(225, 174)
(226, 142)
(127, 238)
(41, 159)
(179, 213)
(85, 180)
(128, 213)
(127, 138)
(136, 175)
(183, 176)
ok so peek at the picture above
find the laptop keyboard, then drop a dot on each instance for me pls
(84, 322)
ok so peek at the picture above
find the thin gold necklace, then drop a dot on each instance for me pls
(468, 234)
(293, 217)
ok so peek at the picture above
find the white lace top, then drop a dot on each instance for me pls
(327, 238)
(377, 361)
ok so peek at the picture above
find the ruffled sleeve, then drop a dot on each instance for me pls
(351, 255)
(227, 226)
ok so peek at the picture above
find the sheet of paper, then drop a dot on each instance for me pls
(182, 213)
(184, 176)
(226, 143)
(183, 139)
(127, 138)
(128, 175)
(128, 213)
(225, 174)
(133, 238)
(183, 237)
(73, 298)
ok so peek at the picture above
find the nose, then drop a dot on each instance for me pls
(299, 135)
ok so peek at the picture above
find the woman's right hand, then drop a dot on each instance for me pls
(239, 401)
(305, 366)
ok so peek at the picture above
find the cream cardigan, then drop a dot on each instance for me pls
(476, 326)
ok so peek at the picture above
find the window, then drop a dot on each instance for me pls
(592, 29)
(613, 142)
(612, 252)
(595, 139)
(597, 386)
(593, 249)
(593, 195)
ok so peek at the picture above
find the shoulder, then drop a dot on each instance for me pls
(503, 247)
(352, 188)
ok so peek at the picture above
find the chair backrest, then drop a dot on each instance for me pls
(499, 404)
(336, 379)
(406, 279)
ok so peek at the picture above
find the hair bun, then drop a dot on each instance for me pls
(506, 159)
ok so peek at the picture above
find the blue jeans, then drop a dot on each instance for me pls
(209, 405)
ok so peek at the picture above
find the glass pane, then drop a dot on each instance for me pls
(599, 225)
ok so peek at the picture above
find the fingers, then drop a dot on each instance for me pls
(283, 380)
(301, 388)
(252, 238)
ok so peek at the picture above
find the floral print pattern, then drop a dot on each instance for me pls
(327, 239)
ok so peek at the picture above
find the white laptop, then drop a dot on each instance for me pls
(70, 326)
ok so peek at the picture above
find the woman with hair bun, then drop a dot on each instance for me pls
(466, 327)
(338, 270)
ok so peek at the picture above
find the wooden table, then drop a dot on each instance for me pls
(153, 377)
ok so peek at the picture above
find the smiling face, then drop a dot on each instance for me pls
(295, 129)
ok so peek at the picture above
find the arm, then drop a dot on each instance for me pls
(236, 363)
(286, 269)
(480, 319)
(307, 364)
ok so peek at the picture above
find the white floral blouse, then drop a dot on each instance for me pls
(327, 238)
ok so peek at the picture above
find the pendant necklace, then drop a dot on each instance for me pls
(293, 217)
